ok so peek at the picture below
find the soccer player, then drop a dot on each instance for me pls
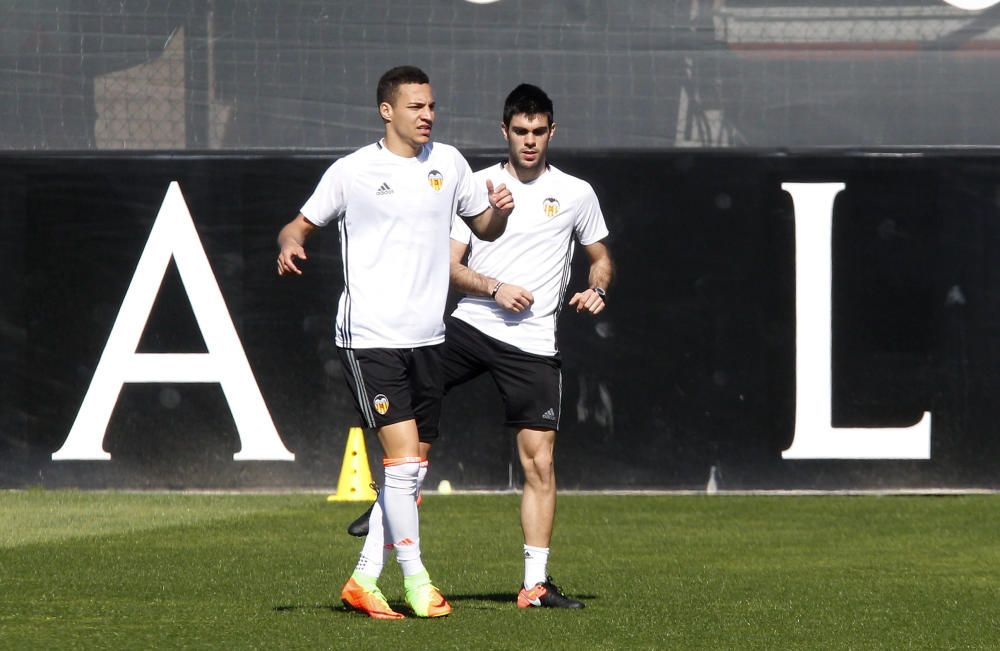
(506, 323)
(393, 202)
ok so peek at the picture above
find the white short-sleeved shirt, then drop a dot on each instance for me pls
(550, 214)
(394, 215)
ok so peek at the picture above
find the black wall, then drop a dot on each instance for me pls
(692, 365)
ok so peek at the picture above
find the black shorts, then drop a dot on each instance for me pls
(530, 385)
(391, 385)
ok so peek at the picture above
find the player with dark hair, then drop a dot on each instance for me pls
(393, 202)
(506, 323)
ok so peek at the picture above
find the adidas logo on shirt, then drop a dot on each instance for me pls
(550, 414)
(383, 189)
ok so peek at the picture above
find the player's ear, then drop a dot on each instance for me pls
(552, 131)
(503, 130)
(385, 111)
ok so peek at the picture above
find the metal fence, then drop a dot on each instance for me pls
(258, 74)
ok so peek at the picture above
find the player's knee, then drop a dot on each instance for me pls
(540, 469)
(402, 477)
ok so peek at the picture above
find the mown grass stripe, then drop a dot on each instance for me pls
(656, 572)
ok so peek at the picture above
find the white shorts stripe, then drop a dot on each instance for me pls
(359, 384)
(560, 401)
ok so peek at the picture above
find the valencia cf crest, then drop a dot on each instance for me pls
(551, 207)
(436, 180)
(381, 404)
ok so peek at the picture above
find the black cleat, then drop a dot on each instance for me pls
(545, 595)
(359, 528)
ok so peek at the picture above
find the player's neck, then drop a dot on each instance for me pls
(400, 147)
(526, 174)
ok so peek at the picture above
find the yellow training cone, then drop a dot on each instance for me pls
(355, 475)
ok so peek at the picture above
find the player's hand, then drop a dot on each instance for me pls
(513, 298)
(588, 301)
(500, 197)
(286, 259)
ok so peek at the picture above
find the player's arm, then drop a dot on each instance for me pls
(602, 271)
(492, 222)
(291, 244)
(473, 283)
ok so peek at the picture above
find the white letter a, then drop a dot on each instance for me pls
(174, 235)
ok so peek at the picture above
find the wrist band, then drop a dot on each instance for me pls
(496, 288)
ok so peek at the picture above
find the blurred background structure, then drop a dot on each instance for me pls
(260, 74)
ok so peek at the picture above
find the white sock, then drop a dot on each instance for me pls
(422, 474)
(401, 521)
(535, 561)
(375, 553)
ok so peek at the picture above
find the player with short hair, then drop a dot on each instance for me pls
(506, 323)
(393, 202)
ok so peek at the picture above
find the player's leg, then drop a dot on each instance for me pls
(460, 362)
(531, 387)
(375, 553)
(378, 383)
(538, 510)
(424, 374)
(361, 592)
(372, 516)
(538, 503)
(398, 499)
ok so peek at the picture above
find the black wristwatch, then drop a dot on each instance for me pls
(600, 292)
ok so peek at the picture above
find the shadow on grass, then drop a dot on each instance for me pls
(467, 600)
(290, 608)
(496, 597)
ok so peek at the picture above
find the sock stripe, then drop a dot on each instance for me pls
(398, 461)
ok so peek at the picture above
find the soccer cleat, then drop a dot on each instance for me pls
(424, 598)
(545, 595)
(366, 601)
(359, 527)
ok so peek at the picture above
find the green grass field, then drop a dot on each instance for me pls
(134, 571)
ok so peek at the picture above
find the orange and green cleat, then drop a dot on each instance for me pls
(362, 595)
(424, 598)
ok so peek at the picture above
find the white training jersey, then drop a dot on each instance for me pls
(394, 215)
(535, 252)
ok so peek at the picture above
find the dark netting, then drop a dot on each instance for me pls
(251, 74)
